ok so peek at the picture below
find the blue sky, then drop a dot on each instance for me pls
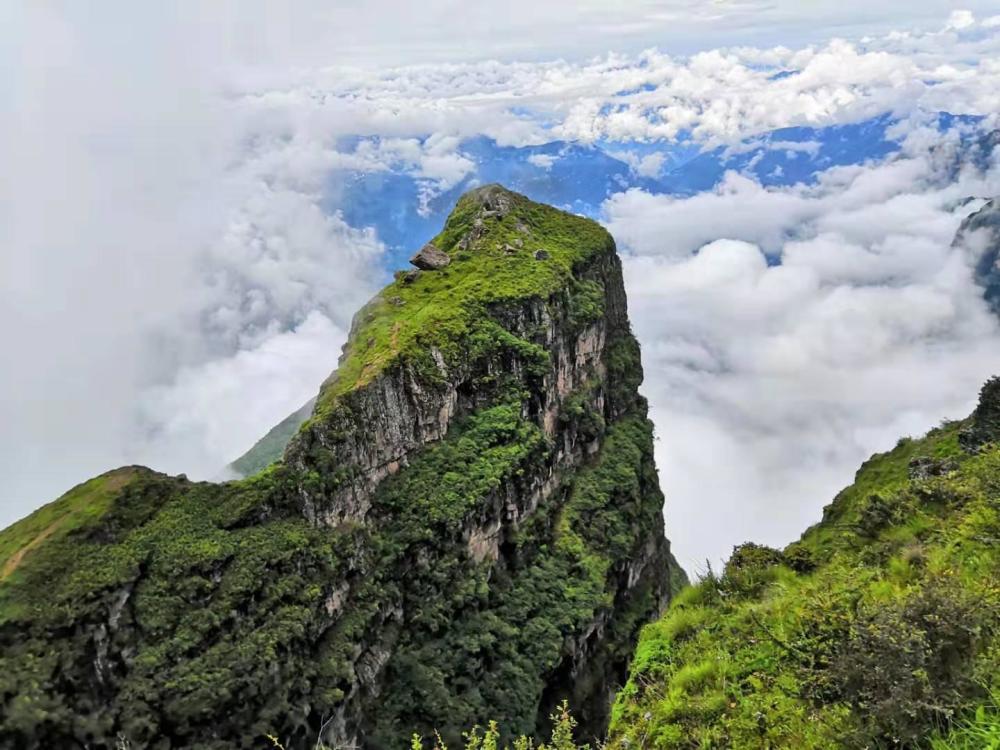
(181, 260)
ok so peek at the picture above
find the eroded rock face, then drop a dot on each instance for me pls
(495, 200)
(925, 467)
(380, 426)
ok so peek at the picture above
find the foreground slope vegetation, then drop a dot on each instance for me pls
(467, 527)
(879, 628)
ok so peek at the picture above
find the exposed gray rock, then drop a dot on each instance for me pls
(430, 258)
(925, 467)
(495, 200)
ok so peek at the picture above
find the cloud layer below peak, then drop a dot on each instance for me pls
(788, 333)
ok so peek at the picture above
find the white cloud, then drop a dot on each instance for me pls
(153, 231)
(790, 147)
(651, 165)
(545, 161)
(717, 96)
(280, 258)
(673, 227)
(212, 412)
(643, 165)
(769, 384)
(960, 19)
(442, 163)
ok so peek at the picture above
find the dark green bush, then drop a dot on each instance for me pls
(985, 426)
(876, 514)
(749, 568)
(906, 666)
(800, 558)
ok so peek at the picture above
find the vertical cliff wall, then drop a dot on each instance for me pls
(468, 526)
(980, 235)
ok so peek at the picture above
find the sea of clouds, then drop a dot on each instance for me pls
(173, 282)
(823, 324)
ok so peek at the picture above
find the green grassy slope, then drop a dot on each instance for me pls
(76, 508)
(880, 627)
(269, 448)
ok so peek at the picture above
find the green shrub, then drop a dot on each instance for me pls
(876, 514)
(907, 666)
(800, 558)
(577, 409)
(563, 724)
(750, 567)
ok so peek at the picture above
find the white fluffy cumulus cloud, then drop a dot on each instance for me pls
(716, 96)
(275, 296)
(789, 333)
(253, 387)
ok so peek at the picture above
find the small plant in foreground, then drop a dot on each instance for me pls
(979, 732)
(563, 724)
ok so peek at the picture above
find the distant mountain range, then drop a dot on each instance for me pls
(406, 210)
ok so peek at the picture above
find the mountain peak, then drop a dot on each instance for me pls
(492, 197)
(468, 525)
(502, 247)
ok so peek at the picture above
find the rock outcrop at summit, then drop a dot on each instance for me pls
(467, 527)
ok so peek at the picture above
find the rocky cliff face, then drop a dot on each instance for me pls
(467, 527)
(980, 235)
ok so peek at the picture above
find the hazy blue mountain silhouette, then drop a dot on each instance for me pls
(406, 210)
